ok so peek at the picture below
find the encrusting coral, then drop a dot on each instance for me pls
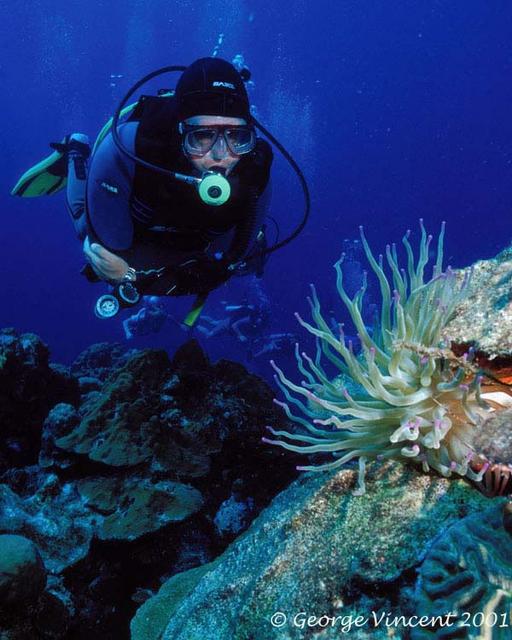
(410, 398)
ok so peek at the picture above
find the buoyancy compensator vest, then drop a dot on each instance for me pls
(173, 204)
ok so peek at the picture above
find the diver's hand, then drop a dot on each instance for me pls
(107, 265)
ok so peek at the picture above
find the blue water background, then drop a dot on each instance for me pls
(394, 110)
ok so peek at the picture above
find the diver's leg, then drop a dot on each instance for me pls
(126, 326)
(202, 326)
(236, 328)
(265, 349)
(221, 327)
(77, 180)
(212, 321)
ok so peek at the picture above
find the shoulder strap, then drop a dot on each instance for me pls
(254, 168)
(157, 140)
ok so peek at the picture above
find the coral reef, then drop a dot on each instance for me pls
(406, 396)
(484, 318)
(135, 506)
(318, 549)
(149, 468)
(22, 572)
(154, 615)
(29, 387)
(142, 469)
(494, 439)
(31, 604)
(468, 572)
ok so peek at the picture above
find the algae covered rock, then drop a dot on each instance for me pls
(321, 550)
(120, 426)
(186, 419)
(153, 616)
(53, 517)
(468, 574)
(22, 573)
(484, 317)
(29, 387)
(99, 360)
(494, 438)
(134, 506)
(62, 419)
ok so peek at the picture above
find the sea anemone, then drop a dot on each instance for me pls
(406, 396)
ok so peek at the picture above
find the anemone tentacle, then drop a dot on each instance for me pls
(410, 398)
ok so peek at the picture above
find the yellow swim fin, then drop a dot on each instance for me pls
(195, 311)
(46, 177)
(50, 174)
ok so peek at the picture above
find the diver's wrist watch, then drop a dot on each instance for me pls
(130, 275)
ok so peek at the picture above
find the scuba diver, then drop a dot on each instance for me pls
(149, 319)
(275, 342)
(247, 320)
(173, 200)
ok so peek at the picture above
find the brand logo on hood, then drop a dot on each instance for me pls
(227, 85)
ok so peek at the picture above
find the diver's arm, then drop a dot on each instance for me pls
(254, 261)
(236, 328)
(106, 265)
(263, 209)
(109, 222)
(245, 234)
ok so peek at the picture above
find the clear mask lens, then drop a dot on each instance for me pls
(199, 140)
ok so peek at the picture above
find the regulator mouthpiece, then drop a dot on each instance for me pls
(214, 189)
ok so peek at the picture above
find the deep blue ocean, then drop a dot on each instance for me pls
(395, 111)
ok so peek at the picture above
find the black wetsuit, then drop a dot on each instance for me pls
(154, 221)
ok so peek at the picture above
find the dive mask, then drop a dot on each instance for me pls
(198, 140)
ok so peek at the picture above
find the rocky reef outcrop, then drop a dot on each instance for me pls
(29, 387)
(140, 467)
(319, 556)
(468, 571)
(137, 501)
(417, 556)
(484, 318)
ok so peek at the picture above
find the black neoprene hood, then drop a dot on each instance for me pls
(212, 87)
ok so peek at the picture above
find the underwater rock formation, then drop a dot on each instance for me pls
(494, 439)
(484, 317)
(173, 417)
(63, 517)
(54, 517)
(136, 473)
(154, 615)
(22, 573)
(320, 550)
(61, 420)
(133, 506)
(98, 360)
(233, 515)
(29, 387)
(27, 608)
(468, 571)
(120, 425)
